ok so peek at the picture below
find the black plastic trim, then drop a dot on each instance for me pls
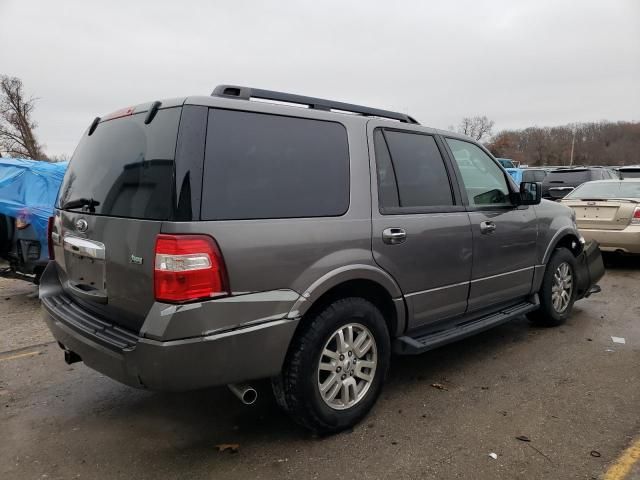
(247, 93)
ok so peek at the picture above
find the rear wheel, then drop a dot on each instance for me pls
(335, 367)
(558, 291)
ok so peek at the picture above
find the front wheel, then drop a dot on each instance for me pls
(558, 290)
(336, 365)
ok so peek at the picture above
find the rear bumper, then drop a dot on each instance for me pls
(228, 357)
(590, 269)
(626, 240)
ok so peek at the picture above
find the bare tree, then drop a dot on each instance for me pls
(16, 124)
(478, 127)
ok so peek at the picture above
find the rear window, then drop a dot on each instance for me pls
(597, 190)
(270, 166)
(125, 168)
(568, 176)
(630, 173)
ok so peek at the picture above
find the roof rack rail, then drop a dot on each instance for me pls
(246, 93)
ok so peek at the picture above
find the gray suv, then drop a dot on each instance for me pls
(218, 240)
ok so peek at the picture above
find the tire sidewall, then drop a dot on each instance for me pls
(561, 255)
(353, 310)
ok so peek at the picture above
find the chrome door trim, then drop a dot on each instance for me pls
(452, 285)
(502, 274)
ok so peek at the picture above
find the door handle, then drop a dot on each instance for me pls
(394, 236)
(487, 227)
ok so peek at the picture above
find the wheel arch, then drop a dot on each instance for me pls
(363, 281)
(567, 238)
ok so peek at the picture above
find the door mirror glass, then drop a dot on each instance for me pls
(530, 193)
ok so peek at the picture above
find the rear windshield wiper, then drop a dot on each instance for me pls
(90, 203)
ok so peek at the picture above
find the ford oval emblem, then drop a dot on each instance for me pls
(82, 225)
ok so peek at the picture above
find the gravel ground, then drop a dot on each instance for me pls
(571, 390)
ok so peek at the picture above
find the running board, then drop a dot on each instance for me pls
(414, 345)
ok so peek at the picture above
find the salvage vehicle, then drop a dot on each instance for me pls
(28, 190)
(608, 211)
(217, 240)
(561, 181)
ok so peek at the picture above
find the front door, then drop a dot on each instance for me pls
(421, 230)
(504, 235)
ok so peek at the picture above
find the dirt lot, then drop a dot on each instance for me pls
(571, 390)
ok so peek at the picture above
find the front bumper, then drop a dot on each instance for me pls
(626, 240)
(228, 357)
(590, 269)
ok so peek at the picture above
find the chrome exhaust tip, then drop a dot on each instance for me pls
(246, 393)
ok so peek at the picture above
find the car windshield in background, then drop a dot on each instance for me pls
(604, 190)
(125, 168)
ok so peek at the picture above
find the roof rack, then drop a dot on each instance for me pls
(246, 93)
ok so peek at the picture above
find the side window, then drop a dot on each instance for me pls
(271, 166)
(411, 172)
(483, 179)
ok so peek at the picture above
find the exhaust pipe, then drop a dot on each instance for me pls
(246, 393)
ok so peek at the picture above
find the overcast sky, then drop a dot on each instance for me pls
(521, 63)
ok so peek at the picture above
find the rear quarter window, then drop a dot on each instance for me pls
(270, 166)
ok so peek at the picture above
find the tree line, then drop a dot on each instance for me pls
(596, 143)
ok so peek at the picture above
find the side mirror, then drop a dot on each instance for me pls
(530, 193)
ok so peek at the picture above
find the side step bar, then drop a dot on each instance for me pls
(415, 345)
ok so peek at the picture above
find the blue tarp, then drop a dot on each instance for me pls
(30, 188)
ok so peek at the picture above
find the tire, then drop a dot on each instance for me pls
(298, 388)
(552, 314)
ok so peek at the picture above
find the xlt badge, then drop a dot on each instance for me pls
(134, 259)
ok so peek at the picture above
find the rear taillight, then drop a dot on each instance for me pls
(635, 218)
(22, 221)
(50, 237)
(188, 267)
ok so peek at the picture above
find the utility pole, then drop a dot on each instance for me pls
(573, 142)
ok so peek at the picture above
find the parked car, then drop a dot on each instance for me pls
(218, 240)
(561, 181)
(507, 162)
(631, 171)
(28, 190)
(608, 211)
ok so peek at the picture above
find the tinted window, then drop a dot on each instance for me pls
(416, 166)
(387, 185)
(568, 176)
(483, 179)
(268, 166)
(125, 167)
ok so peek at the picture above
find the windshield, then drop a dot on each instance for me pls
(125, 168)
(604, 190)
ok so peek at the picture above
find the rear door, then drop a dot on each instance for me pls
(118, 189)
(504, 235)
(421, 231)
